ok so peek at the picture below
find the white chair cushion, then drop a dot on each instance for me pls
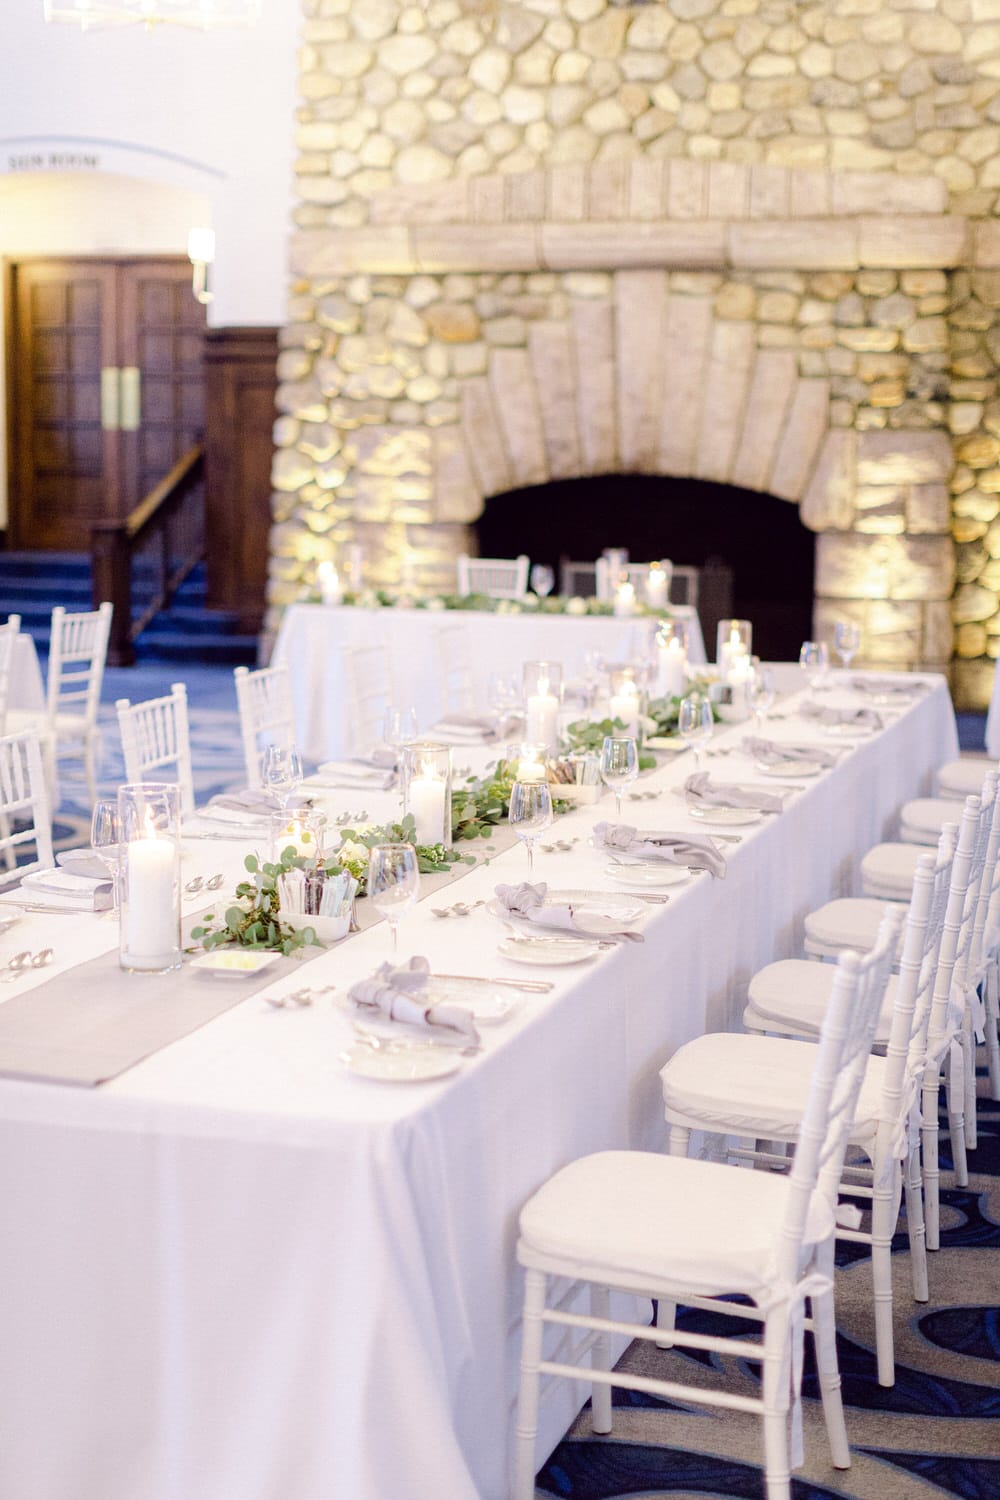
(755, 1085)
(793, 995)
(887, 871)
(663, 1219)
(848, 922)
(921, 821)
(958, 779)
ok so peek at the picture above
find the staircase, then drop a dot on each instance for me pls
(32, 583)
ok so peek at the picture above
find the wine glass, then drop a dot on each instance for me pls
(281, 772)
(695, 723)
(814, 659)
(399, 727)
(542, 579)
(530, 813)
(760, 693)
(106, 840)
(503, 695)
(393, 883)
(619, 765)
(847, 639)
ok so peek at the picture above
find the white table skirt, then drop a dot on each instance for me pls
(238, 1273)
(312, 636)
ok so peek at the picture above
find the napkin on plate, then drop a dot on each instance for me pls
(671, 848)
(773, 752)
(900, 686)
(471, 729)
(376, 771)
(64, 891)
(528, 901)
(83, 862)
(237, 818)
(245, 799)
(859, 718)
(700, 792)
(396, 993)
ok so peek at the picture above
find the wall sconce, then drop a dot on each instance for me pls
(201, 254)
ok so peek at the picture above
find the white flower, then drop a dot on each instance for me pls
(648, 724)
(576, 606)
(367, 599)
(351, 850)
(436, 603)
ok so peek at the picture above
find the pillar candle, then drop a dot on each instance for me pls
(671, 662)
(625, 706)
(329, 583)
(625, 599)
(426, 801)
(656, 587)
(151, 906)
(541, 719)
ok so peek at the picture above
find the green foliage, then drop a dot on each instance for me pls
(254, 920)
(355, 844)
(590, 734)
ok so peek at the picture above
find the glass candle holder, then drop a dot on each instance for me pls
(300, 828)
(626, 702)
(330, 588)
(427, 791)
(541, 684)
(657, 584)
(526, 762)
(150, 881)
(733, 647)
(671, 648)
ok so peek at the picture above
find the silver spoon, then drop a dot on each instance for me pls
(41, 958)
(15, 967)
(195, 885)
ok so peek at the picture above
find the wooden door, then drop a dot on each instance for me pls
(105, 390)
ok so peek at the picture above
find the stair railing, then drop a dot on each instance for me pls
(140, 562)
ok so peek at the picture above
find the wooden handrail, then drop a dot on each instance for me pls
(113, 545)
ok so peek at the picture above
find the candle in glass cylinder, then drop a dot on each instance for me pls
(530, 763)
(427, 802)
(541, 718)
(625, 599)
(625, 706)
(656, 586)
(329, 583)
(150, 908)
(671, 668)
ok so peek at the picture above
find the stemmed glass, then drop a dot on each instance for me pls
(106, 840)
(847, 639)
(760, 693)
(503, 695)
(695, 723)
(542, 579)
(530, 813)
(619, 765)
(399, 727)
(814, 659)
(281, 772)
(393, 883)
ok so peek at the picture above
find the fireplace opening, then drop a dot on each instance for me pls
(756, 559)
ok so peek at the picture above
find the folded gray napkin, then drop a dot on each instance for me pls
(253, 800)
(376, 770)
(700, 792)
(528, 901)
(772, 752)
(860, 718)
(396, 993)
(671, 848)
(900, 686)
(473, 727)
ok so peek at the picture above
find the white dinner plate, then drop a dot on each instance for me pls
(791, 768)
(548, 951)
(655, 872)
(737, 817)
(233, 963)
(401, 1064)
(486, 1003)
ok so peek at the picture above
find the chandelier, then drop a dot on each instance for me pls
(204, 15)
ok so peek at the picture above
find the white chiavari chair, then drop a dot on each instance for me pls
(8, 645)
(369, 693)
(267, 716)
(156, 738)
(499, 577)
(754, 1086)
(25, 812)
(663, 1227)
(454, 661)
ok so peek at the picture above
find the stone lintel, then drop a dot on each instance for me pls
(904, 244)
(618, 246)
(794, 244)
(986, 243)
(885, 193)
(474, 247)
(319, 253)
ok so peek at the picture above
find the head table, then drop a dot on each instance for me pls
(238, 1272)
(313, 637)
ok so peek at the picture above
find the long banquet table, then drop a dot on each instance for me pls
(312, 638)
(236, 1272)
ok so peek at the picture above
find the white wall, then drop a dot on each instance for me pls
(117, 141)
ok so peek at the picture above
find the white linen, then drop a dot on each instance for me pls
(311, 637)
(237, 1271)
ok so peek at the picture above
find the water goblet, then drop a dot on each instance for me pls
(814, 659)
(619, 765)
(695, 723)
(399, 727)
(530, 813)
(542, 579)
(847, 639)
(760, 693)
(281, 772)
(393, 883)
(106, 840)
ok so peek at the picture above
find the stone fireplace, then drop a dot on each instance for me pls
(513, 265)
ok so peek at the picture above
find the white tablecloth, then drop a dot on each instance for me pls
(238, 1273)
(312, 636)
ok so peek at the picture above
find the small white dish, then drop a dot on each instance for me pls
(233, 963)
(9, 915)
(790, 768)
(737, 817)
(546, 952)
(327, 929)
(656, 874)
(671, 742)
(401, 1064)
